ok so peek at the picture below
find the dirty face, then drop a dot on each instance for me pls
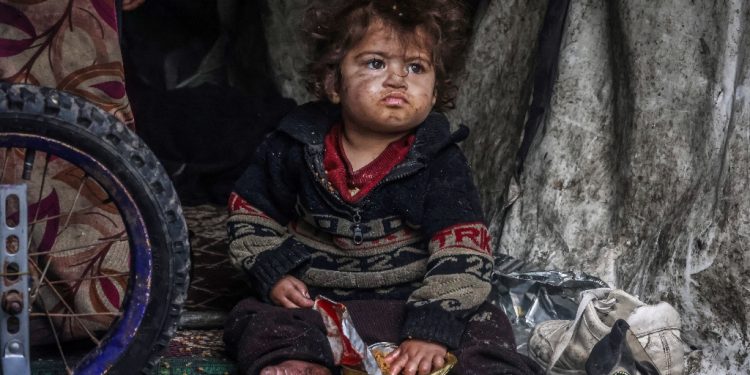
(386, 86)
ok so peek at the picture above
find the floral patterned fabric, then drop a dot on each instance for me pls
(78, 248)
(70, 45)
(77, 239)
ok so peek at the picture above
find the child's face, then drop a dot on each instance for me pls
(386, 86)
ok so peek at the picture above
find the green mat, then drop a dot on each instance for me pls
(190, 366)
(166, 366)
(47, 368)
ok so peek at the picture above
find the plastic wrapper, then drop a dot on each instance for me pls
(529, 298)
(350, 351)
(346, 344)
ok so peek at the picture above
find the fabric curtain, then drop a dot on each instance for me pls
(70, 45)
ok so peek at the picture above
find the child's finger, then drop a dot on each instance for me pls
(420, 366)
(299, 300)
(299, 285)
(438, 362)
(425, 366)
(412, 366)
(392, 356)
(399, 364)
(289, 302)
(302, 295)
(302, 288)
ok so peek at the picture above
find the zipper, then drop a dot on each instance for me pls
(357, 236)
(326, 192)
(357, 229)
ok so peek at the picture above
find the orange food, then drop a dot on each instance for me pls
(380, 360)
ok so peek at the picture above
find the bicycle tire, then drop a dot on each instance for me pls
(132, 176)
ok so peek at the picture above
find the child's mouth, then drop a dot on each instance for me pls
(394, 100)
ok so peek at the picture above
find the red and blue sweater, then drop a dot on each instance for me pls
(418, 234)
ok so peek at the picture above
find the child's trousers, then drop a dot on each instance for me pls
(260, 335)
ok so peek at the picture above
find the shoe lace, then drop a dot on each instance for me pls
(605, 306)
(601, 305)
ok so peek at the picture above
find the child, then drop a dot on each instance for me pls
(365, 198)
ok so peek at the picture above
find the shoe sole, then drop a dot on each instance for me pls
(555, 371)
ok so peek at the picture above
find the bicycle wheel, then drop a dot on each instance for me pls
(108, 248)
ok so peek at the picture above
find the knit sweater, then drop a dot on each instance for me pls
(418, 235)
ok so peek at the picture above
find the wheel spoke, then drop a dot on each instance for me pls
(107, 276)
(95, 244)
(48, 218)
(42, 277)
(69, 315)
(67, 306)
(8, 152)
(64, 315)
(57, 338)
(73, 205)
(39, 196)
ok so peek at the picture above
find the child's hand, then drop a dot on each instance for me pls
(416, 357)
(290, 292)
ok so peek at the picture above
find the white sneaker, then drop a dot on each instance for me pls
(563, 346)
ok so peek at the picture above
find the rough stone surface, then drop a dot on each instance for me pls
(640, 173)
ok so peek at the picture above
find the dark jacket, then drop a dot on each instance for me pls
(418, 235)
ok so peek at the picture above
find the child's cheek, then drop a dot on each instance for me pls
(367, 83)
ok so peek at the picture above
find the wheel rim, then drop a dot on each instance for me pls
(109, 343)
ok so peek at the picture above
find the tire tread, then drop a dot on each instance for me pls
(26, 101)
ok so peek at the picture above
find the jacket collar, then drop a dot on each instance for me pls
(310, 122)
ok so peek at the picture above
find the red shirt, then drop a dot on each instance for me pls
(354, 185)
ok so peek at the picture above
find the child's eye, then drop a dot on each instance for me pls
(415, 68)
(375, 64)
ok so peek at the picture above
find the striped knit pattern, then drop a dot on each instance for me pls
(447, 278)
(260, 246)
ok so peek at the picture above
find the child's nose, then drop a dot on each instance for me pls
(397, 74)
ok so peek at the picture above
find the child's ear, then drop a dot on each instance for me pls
(330, 86)
(434, 96)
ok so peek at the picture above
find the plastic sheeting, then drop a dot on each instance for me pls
(530, 298)
(639, 175)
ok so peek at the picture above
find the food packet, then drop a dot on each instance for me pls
(347, 346)
(350, 351)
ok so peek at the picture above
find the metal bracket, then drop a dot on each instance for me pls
(14, 284)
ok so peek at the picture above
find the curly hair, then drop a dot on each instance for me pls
(333, 27)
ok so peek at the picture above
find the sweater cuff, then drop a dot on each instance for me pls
(271, 266)
(433, 324)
